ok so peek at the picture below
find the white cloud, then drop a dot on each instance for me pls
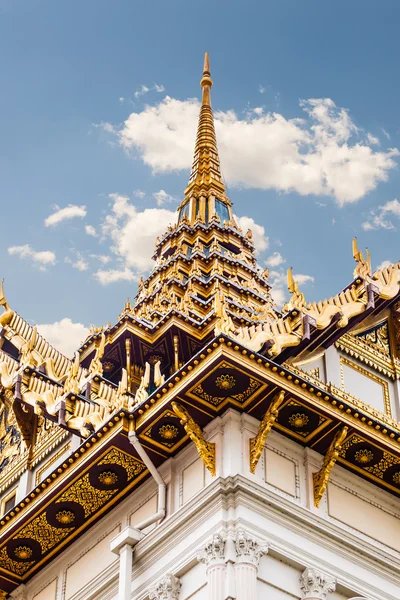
(42, 259)
(102, 258)
(261, 89)
(323, 154)
(139, 193)
(133, 233)
(122, 99)
(62, 214)
(65, 335)
(161, 197)
(145, 89)
(90, 230)
(80, 263)
(105, 277)
(260, 240)
(378, 218)
(275, 260)
(141, 91)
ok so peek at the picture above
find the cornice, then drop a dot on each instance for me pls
(367, 354)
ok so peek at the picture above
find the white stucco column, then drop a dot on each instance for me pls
(167, 588)
(122, 545)
(213, 556)
(248, 554)
(316, 585)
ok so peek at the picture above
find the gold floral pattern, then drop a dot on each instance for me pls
(108, 478)
(225, 382)
(65, 517)
(364, 456)
(23, 552)
(47, 535)
(298, 420)
(14, 566)
(168, 432)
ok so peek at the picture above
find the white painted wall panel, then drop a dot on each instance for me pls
(89, 565)
(48, 593)
(193, 479)
(280, 472)
(363, 516)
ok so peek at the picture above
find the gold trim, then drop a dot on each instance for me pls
(366, 353)
(225, 364)
(384, 384)
(257, 443)
(321, 478)
(87, 522)
(205, 449)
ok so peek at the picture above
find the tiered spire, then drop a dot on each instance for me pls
(206, 170)
(205, 260)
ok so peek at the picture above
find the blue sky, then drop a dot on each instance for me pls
(97, 115)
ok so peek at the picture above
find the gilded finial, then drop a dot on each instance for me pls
(363, 268)
(206, 81)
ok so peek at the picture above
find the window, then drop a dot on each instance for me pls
(184, 211)
(8, 502)
(222, 211)
(206, 212)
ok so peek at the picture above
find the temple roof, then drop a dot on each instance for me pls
(204, 329)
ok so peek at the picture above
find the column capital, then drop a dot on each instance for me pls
(167, 588)
(316, 585)
(214, 551)
(20, 593)
(248, 550)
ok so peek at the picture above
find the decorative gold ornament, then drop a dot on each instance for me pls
(23, 552)
(108, 365)
(257, 443)
(364, 456)
(396, 477)
(168, 432)
(155, 358)
(108, 478)
(225, 382)
(321, 478)
(65, 517)
(298, 420)
(205, 449)
(96, 367)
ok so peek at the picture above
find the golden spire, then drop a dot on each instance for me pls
(206, 170)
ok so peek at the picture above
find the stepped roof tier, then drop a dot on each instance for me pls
(202, 335)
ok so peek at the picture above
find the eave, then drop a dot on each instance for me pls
(257, 379)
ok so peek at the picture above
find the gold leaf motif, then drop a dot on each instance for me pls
(168, 432)
(364, 456)
(132, 466)
(19, 568)
(298, 420)
(225, 382)
(108, 478)
(23, 552)
(85, 494)
(40, 530)
(65, 517)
